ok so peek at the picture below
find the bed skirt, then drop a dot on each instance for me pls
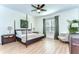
(28, 42)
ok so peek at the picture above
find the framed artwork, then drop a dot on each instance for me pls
(23, 23)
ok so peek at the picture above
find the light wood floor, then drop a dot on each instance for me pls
(45, 46)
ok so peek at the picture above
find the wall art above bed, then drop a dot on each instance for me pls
(23, 23)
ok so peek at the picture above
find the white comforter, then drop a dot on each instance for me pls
(29, 36)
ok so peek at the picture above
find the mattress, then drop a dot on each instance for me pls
(29, 36)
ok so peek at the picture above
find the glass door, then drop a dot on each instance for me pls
(50, 28)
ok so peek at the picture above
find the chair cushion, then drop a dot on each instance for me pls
(63, 37)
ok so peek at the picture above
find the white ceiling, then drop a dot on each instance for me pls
(51, 8)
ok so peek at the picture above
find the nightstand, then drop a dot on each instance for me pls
(8, 38)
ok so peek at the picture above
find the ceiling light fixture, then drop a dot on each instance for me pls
(38, 8)
(38, 11)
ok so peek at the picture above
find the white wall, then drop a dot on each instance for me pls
(39, 25)
(7, 17)
(65, 15)
(31, 21)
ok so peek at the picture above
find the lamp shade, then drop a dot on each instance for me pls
(9, 28)
(75, 25)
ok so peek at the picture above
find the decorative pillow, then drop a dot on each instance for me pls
(19, 32)
(23, 32)
(29, 32)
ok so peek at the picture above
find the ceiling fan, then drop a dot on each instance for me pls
(39, 8)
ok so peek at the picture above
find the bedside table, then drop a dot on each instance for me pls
(8, 38)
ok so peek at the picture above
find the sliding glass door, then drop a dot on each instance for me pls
(50, 27)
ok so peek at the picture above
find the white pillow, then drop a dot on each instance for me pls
(19, 32)
(23, 32)
(29, 32)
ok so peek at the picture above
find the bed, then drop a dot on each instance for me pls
(27, 37)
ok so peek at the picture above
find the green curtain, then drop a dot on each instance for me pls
(56, 27)
(44, 29)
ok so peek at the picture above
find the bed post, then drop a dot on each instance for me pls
(26, 31)
(26, 37)
(14, 28)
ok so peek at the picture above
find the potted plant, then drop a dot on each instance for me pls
(73, 26)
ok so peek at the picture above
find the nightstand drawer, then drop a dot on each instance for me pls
(11, 39)
(8, 38)
(5, 40)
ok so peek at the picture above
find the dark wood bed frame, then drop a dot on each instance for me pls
(28, 42)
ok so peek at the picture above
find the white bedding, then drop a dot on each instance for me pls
(29, 36)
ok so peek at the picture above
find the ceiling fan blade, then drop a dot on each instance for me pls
(43, 10)
(34, 10)
(34, 6)
(38, 6)
(42, 5)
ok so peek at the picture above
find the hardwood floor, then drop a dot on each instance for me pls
(45, 46)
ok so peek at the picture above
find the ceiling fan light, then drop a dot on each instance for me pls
(38, 11)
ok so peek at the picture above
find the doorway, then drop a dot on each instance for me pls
(50, 28)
